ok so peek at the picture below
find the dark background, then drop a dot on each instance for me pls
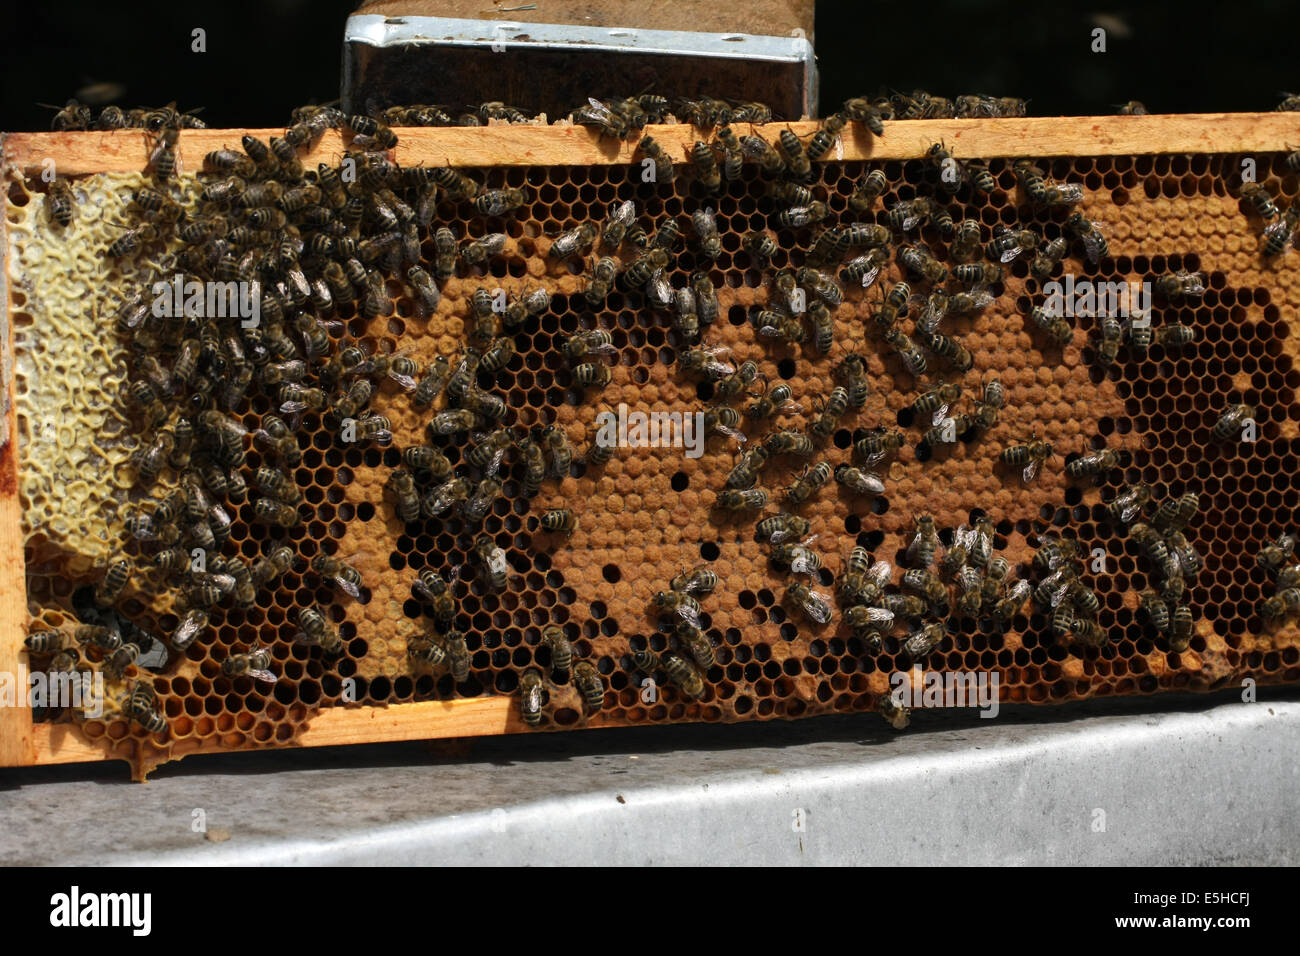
(268, 56)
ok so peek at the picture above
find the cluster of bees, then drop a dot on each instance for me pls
(1285, 599)
(315, 239)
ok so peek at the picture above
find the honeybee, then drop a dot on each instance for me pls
(431, 383)
(788, 442)
(893, 305)
(781, 527)
(855, 479)
(1009, 606)
(1279, 605)
(602, 279)
(852, 371)
(1277, 552)
(796, 217)
(706, 166)
(478, 251)
(534, 466)
(759, 245)
(1288, 577)
(922, 643)
(936, 400)
(576, 241)
(980, 177)
(678, 605)
(1231, 423)
(1278, 234)
(561, 451)
(733, 154)
(1030, 457)
(1092, 464)
(663, 162)
(910, 213)
(615, 226)
(683, 675)
(530, 697)
(479, 503)
(590, 685)
(920, 552)
(870, 188)
(1095, 247)
(745, 472)
(978, 274)
(561, 651)
(965, 244)
(644, 266)
(865, 269)
(704, 361)
(832, 410)
(706, 298)
(493, 560)
(699, 580)
(1153, 545)
(734, 500)
(559, 520)
(1157, 612)
(402, 486)
(110, 588)
(1130, 503)
(912, 357)
(796, 557)
(499, 202)
(895, 714)
(454, 420)
(1259, 198)
(141, 706)
(431, 588)
(256, 663)
(343, 575)
(948, 169)
(815, 605)
(735, 385)
(1046, 259)
(928, 587)
(1007, 243)
(874, 447)
(1176, 286)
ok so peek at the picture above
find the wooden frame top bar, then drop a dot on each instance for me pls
(523, 145)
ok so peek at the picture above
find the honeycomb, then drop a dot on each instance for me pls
(649, 513)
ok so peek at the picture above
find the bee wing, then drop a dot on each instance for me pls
(187, 631)
(293, 408)
(732, 433)
(347, 586)
(940, 414)
(497, 457)
(688, 614)
(781, 536)
(1030, 471)
(1070, 193)
(817, 606)
(406, 381)
(802, 563)
(623, 213)
(880, 573)
(497, 561)
(970, 578)
(911, 215)
(880, 614)
(265, 676)
(1009, 254)
(1060, 591)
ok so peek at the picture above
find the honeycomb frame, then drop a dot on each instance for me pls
(1170, 171)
